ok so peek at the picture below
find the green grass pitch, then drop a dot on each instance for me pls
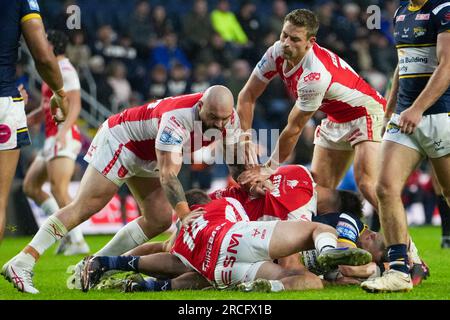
(50, 278)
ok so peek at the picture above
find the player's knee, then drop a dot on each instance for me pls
(366, 186)
(28, 188)
(160, 222)
(386, 190)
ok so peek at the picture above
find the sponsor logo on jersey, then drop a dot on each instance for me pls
(168, 136)
(292, 183)
(423, 16)
(400, 18)
(313, 76)
(276, 186)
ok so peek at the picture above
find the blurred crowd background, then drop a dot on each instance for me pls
(135, 51)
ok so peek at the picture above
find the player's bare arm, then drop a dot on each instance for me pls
(247, 99)
(74, 100)
(34, 33)
(289, 136)
(170, 165)
(392, 99)
(435, 88)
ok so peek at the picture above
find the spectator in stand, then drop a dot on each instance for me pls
(197, 29)
(160, 22)
(327, 35)
(141, 30)
(251, 24)
(276, 20)
(78, 52)
(217, 51)
(169, 53)
(240, 72)
(178, 81)
(200, 80)
(215, 73)
(117, 79)
(104, 91)
(225, 23)
(158, 83)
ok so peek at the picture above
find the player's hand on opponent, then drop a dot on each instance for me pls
(23, 93)
(193, 215)
(59, 105)
(409, 120)
(249, 150)
(255, 180)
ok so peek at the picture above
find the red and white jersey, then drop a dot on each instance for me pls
(198, 246)
(293, 189)
(166, 125)
(323, 81)
(71, 83)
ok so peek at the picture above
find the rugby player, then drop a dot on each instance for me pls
(319, 80)
(419, 126)
(56, 161)
(21, 17)
(141, 147)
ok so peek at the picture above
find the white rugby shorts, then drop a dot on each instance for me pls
(431, 137)
(13, 124)
(116, 162)
(244, 249)
(344, 136)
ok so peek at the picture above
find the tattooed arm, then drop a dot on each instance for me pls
(169, 166)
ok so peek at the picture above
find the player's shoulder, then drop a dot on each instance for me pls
(276, 50)
(319, 59)
(439, 6)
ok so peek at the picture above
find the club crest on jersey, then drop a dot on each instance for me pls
(168, 136)
(419, 32)
(392, 128)
(292, 183)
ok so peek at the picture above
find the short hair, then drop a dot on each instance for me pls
(197, 196)
(304, 18)
(59, 41)
(350, 202)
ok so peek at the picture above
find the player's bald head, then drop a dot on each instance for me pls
(219, 100)
(217, 106)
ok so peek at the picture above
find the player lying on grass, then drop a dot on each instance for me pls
(292, 189)
(218, 241)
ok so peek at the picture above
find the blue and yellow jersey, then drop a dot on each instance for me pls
(415, 31)
(348, 226)
(12, 14)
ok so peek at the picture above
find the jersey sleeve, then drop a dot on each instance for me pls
(311, 90)
(230, 192)
(71, 80)
(29, 9)
(441, 17)
(349, 228)
(266, 69)
(171, 135)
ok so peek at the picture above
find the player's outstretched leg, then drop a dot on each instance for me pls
(332, 258)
